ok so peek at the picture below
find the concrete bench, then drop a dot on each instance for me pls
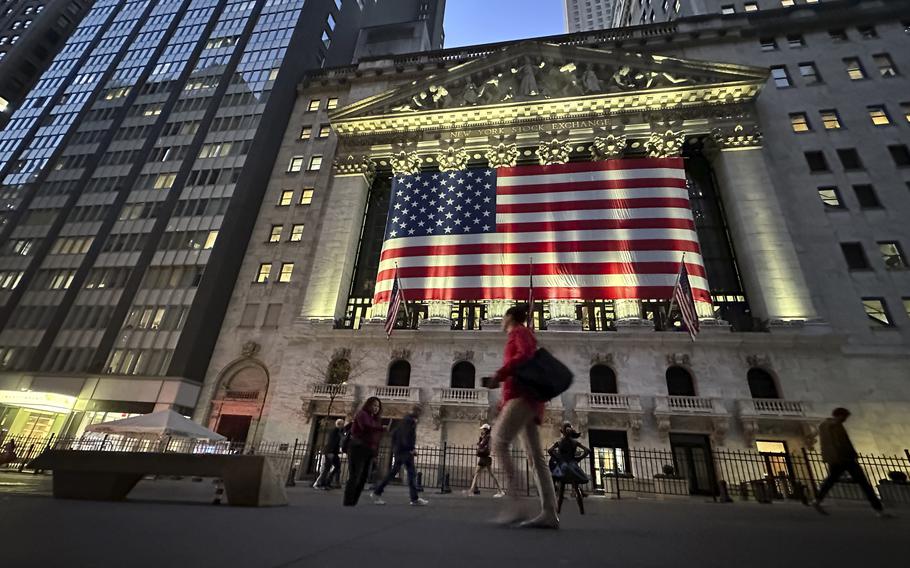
(110, 476)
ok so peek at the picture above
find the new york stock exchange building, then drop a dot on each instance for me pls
(770, 149)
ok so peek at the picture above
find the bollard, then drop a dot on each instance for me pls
(292, 475)
(419, 482)
(219, 491)
(724, 496)
(445, 484)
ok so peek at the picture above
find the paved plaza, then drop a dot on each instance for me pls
(172, 523)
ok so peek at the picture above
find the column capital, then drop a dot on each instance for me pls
(739, 136)
(405, 162)
(609, 143)
(553, 150)
(664, 143)
(503, 152)
(452, 156)
(355, 164)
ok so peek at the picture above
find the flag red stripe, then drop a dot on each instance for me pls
(546, 246)
(590, 185)
(595, 224)
(604, 293)
(539, 269)
(572, 167)
(641, 203)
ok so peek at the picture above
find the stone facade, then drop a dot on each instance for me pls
(813, 337)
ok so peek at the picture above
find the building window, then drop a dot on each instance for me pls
(399, 374)
(795, 41)
(830, 196)
(679, 382)
(854, 69)
(313, 106)
(306, 197)
(296, 164)
(750, 7)
(849, 159)
(816, 161)
(164, 181)
(787, 3)
(799, 122)
(275, 234)
(210, 239)
(296, 233)
(867, 32)
(761, 384)
(315, 164)
(768, 44)
(781, 77)
(906, 306)
(879, 115)
(463, 375)
(892, 255)
(877, 311)
(885, 65)
(287, 269)
(287, 197)
(265, 269)
(855, 256)
(900, 154)
(837, 36)
(272, 315)
(324, 131)
(248, 317)
(728, 9)
(306, 132)
(830, 118)
(866, 196)
(603, 379)
(905, 110)
(809, 73)
(332, 103)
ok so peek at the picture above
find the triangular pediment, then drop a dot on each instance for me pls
(533, 73)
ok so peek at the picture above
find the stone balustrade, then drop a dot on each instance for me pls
(608, 401)
(687, 405)
(472, 397)
(773, 407)
(395, 394)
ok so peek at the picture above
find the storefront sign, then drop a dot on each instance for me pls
(46, 401)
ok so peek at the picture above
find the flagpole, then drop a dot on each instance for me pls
(531, 291)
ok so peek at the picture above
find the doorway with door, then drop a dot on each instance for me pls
(609, 456)
(693, 461)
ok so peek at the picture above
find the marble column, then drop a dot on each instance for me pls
(333, 261)
(770, 268)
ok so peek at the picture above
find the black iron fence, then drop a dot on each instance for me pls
(617, 472)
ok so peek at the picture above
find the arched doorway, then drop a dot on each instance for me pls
(679, 382)
(238, 402)
(603, 379)
(463, 374)
(399, 374)
(761, 384)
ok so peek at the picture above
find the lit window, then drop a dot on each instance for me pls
(885, 66)
(795, 41)
(210, 239)
(787, 3)
(876, 311)
(287, 269)
(855, 256)
(837, 36)
(900, 154)
(164, 181)
(326, 39)
(809, 73)
(296, 233)
(728, 9)
(306, 197)
(866, 196)
(332, 103)
(275, 234)
(287, 197)
(830, 196)
(313, 106)
(867, 32)
(750, 7)
(799, 122)
(273, 74)
(768, 44)
(854, 69)
(892, 255)
(265, 269)
(830, 119)
(907, 306)
(781, 77)
(315, 164)
(324, 131)
(905, 110)
(331, 22)
(296, 164)
(306, 132)
(878, 115)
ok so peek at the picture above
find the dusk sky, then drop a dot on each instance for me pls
(469, 22)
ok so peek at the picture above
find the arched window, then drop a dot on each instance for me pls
(761, 384)
(400, 374)
(603, 379)
(462, 375)
(679, 382)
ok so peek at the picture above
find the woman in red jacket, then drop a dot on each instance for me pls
(520, 413)
(366, 433)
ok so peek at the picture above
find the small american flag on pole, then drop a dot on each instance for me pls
(394, 304)
(682, 297)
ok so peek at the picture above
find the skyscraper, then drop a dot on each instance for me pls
(638, 12)
(131, 176)
(588, 15)
(31, 34)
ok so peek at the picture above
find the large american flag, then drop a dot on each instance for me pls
(593, 230)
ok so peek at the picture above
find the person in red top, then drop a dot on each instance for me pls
(366, 433)
(520, 413)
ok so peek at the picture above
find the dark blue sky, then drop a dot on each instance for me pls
(469, 22)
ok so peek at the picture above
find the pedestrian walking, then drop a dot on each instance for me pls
(566, 470)
(331, 457)
(404, 450)
(8, 455)
(366, 432)
(840, 455)
(520, 414)
(484, 462)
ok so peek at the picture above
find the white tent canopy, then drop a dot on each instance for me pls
(163, 423)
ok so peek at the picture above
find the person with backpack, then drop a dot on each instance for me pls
(331, 457)
(520, 414)
(484, 462)
(404, 449)
(366, 433)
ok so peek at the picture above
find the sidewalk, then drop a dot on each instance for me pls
(315, 531)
